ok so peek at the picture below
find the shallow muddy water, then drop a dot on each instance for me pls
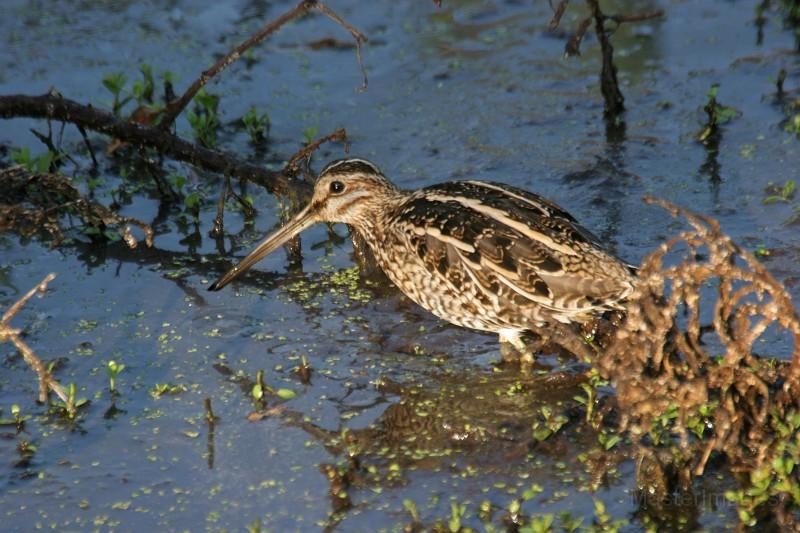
(476, 89)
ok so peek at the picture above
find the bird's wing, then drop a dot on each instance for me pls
(512, 245)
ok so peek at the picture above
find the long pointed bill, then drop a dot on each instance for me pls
(304, 219)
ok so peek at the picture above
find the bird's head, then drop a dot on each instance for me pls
(350, 191)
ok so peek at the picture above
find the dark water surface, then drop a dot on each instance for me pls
(475, 89)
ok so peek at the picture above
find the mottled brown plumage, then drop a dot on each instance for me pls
(481, 255)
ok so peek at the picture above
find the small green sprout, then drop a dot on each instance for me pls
(588, 401)
(144, 89)
(40, 164)
(780, 194)
(569, 523)
(603, 520)
(608, 440)
(69, 409)
(411, 507)
(457, 512)
(204, 119)
(256, 125)
(717, 114)
(260, 389)
(18, 420)
(113, 369)
(26, 449)
(115, 83)
(793, 124)
(303, 370)
(309, 134)
(539, 524)
(514, 509)
(548, 424)
(193, 201)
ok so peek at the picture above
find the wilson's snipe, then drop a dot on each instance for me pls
(485, 256)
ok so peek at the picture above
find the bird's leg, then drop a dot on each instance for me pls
(567, 337)
(514, 349)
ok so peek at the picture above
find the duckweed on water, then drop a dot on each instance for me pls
(344, 286)
(160, 389)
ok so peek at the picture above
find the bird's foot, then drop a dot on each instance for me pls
(513, 349)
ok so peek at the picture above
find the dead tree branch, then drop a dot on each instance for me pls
(8, 334)
(51, 196)
(609, 86)
(175, 107)
(54, 107)
(614, 102)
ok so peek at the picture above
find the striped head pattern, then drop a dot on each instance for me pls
(350, 191)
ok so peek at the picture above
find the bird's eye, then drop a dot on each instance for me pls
(337, 187)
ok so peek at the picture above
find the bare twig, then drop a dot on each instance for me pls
(8, 334)
(558, 12)
(82, 130)
(175, 107)
(304, 154)
(613, 99)
(211, 421)
(211, 418)
(636, 17)
(15, 308)
(358, 37)
(609, 86)
(573, 46)
(218, 228)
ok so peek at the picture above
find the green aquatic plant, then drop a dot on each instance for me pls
(256, 125)
(784, 193)
(204, 118)
(41, 163)
(260, 389)
(143, 90)
(548, 423)
(590, 398)
(603, 521)
(18, 419)
(160, 389)
(717, 114)
(542, 523)
(309, 134)
(69, 409)
(457, 512)
(115, 83)
(775, 479)
(113, 369)
(608, 440)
